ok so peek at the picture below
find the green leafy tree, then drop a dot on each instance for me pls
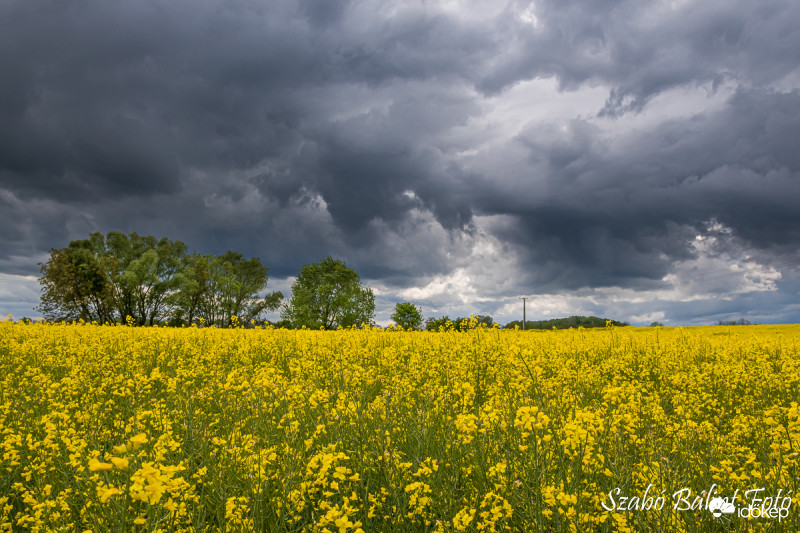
(142, 271)
(236, 283)
(407, 315)
(75, 286)
(217, 288)
(328, 294)
(485, 320)
(111, 277)
(433, 324)
(189, 301)
(461, 323)
(473, 321)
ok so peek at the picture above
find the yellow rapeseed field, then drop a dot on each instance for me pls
(122, 428)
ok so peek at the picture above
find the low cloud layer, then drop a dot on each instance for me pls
(630, 160)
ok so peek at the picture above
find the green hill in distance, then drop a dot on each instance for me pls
(566, 323)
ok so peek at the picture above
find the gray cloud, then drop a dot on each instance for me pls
(406, 139)
(609, 204)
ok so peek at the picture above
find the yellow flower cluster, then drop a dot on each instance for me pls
(107, 428)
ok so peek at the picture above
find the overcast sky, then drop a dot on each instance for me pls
(632, 160)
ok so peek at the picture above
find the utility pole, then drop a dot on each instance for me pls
(523, 298)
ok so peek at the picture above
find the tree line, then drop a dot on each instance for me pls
(409, 316)
(120, 278)
(740, 322)
(566, 323)
(141, 280)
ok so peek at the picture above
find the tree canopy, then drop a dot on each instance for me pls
(328, 294)
(465, 323)
(434, 324)
(407, 315)
(112, 277)
(566, 323)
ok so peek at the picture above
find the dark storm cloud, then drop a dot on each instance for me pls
(294, 130)
(109, 99)
(625, 210)
(642, 49)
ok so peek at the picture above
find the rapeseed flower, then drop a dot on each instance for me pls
(129, 428)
